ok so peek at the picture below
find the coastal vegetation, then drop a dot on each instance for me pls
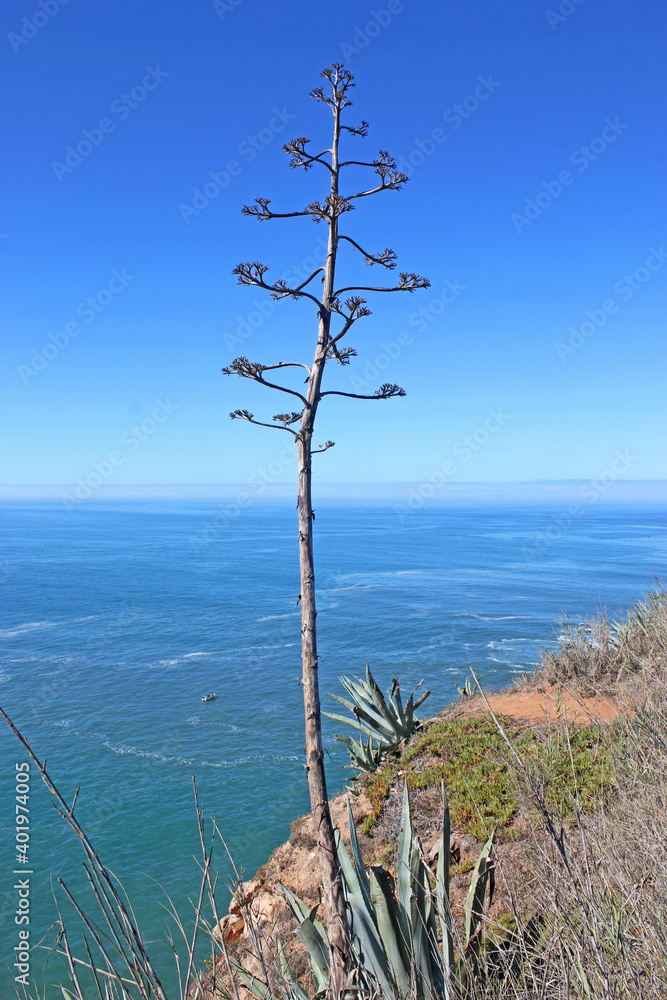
(520, 852)
(384, 722)
(564, 800)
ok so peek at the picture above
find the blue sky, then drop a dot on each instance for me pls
(533, 139)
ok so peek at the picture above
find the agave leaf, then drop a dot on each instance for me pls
(426, 954)
(368, 692)
(317, 945)
(257, 987)
(420, 954)
(435, 981)
(397, 704)
(404, 856)
(378, 730)
(359, 867)
(366, 756)
(391, 928)
(296, 989)
(312, 935)
(364, 922)
(364, 762)
(299, 909)
(357, 747)
(342, 701)
(359, 689)
(373, 717)
(421, 700)
(378, 697)
(368, 704)
(474, 909)
(442, 894)
(354, 722)
(372, 683)
(372, 950)
(446, 840)
(355, 894)
(369, 723)
(409, 717)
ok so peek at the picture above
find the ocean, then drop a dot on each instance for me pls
(119, 615)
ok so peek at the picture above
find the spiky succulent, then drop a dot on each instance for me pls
(381, 721)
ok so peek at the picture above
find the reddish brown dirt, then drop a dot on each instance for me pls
(549, 704)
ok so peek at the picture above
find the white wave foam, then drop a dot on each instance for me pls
(37, 626)
(514, 667)
(249, 649)
(176, 661)
(506, 644)
(124, 748)
(492, 618)
(4, 678)
(27, 627)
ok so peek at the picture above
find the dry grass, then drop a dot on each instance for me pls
(601, 892)
(599, 654)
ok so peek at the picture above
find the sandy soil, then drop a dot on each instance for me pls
(549, 704)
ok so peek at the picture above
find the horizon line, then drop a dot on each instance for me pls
(413, 494)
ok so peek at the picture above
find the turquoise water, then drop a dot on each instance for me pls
(119, 616)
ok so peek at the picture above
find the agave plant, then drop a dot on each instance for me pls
(467, 691)
(365, 756)
(383, 722)
(395, 922)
